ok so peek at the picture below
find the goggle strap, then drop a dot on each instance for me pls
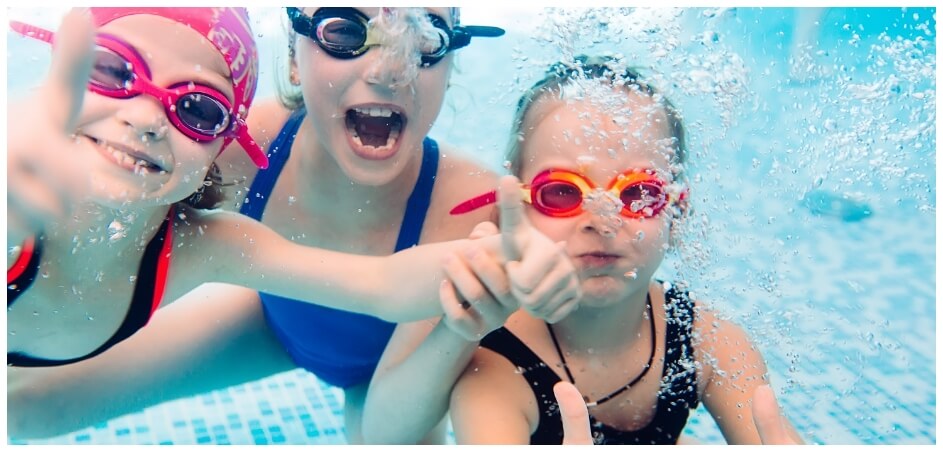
(32, 31)
(462, 34)
(299, 22)
(252, 148)
(475, 203)
(481, 31)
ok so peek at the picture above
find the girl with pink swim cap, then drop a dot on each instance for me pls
(111, 194)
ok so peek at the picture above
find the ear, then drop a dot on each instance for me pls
(293, 77)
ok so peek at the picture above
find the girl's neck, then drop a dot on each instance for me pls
(98, 231)
(607, 327)
(324, 186)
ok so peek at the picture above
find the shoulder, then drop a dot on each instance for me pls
(491, 379)
(723, 347)
(459, 178)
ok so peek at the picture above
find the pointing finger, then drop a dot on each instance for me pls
(72, 59)
(512, 218)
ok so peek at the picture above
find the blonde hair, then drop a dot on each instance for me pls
(603, 68)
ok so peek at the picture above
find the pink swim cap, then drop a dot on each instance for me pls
(228, 30)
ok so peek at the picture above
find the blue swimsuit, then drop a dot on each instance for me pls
(340, 347)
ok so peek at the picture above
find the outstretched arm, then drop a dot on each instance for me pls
(771, 425)
(409, 392)
(398, 288)
(402, 287)
(41, 169)
(737, 373)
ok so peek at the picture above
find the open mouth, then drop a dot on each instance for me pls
(374, 132)
(127, 158)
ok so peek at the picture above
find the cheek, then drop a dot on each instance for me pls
(433, 83)
(192, 157)
(648, 236)
(554, 228)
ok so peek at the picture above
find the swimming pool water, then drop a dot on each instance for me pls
(843, 311)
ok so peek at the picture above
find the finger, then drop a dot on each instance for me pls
(768, 420)
(495, 303)
(557, 286)
(573, 413)
(489, 313)
(491, 275)
(459, 319)
(527, 274)
(569, 302)
(36, 202)
(483, 229)
(70, 68)
(512, 218)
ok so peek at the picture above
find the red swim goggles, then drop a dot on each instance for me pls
(561, 193)
(200, 112)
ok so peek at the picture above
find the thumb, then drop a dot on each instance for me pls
(573, 413)
(483, 229)
(72, 58)
(768, 420)
(512, 219)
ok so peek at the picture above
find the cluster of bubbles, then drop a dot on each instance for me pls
(851, 139)
(403, 34)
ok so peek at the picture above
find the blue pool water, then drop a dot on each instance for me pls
(814, 191)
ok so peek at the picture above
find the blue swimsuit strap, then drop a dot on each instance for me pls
(416, 206)
(418, 203)
(265, 180)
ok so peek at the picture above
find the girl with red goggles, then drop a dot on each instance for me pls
(602, 156)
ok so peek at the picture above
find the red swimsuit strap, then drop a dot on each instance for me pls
(163, 262)
(22, 261)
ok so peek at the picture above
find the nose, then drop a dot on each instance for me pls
(606, 225)
(388, 68)
(145, 116)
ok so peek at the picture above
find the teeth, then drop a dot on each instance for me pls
(390, 140)
(375, 112)
(124, 159)
(394, 134)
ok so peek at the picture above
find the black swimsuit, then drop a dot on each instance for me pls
(148, 291)
(675, 401)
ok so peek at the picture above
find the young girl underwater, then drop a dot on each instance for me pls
(62, 311)
(602, 156)
(140, 155)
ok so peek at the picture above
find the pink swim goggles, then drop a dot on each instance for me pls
(200, 112)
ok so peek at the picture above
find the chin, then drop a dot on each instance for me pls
(601, 288)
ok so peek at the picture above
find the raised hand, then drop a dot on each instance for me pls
(769, 421)
(573, 414)
(476, 295)
(42, 174)
(485, 285)
(542, 278)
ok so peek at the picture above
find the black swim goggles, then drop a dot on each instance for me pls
(345, 33)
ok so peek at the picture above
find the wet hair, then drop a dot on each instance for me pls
(210, 195)
(604, 68)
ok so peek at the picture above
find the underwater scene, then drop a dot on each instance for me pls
(811, 137)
